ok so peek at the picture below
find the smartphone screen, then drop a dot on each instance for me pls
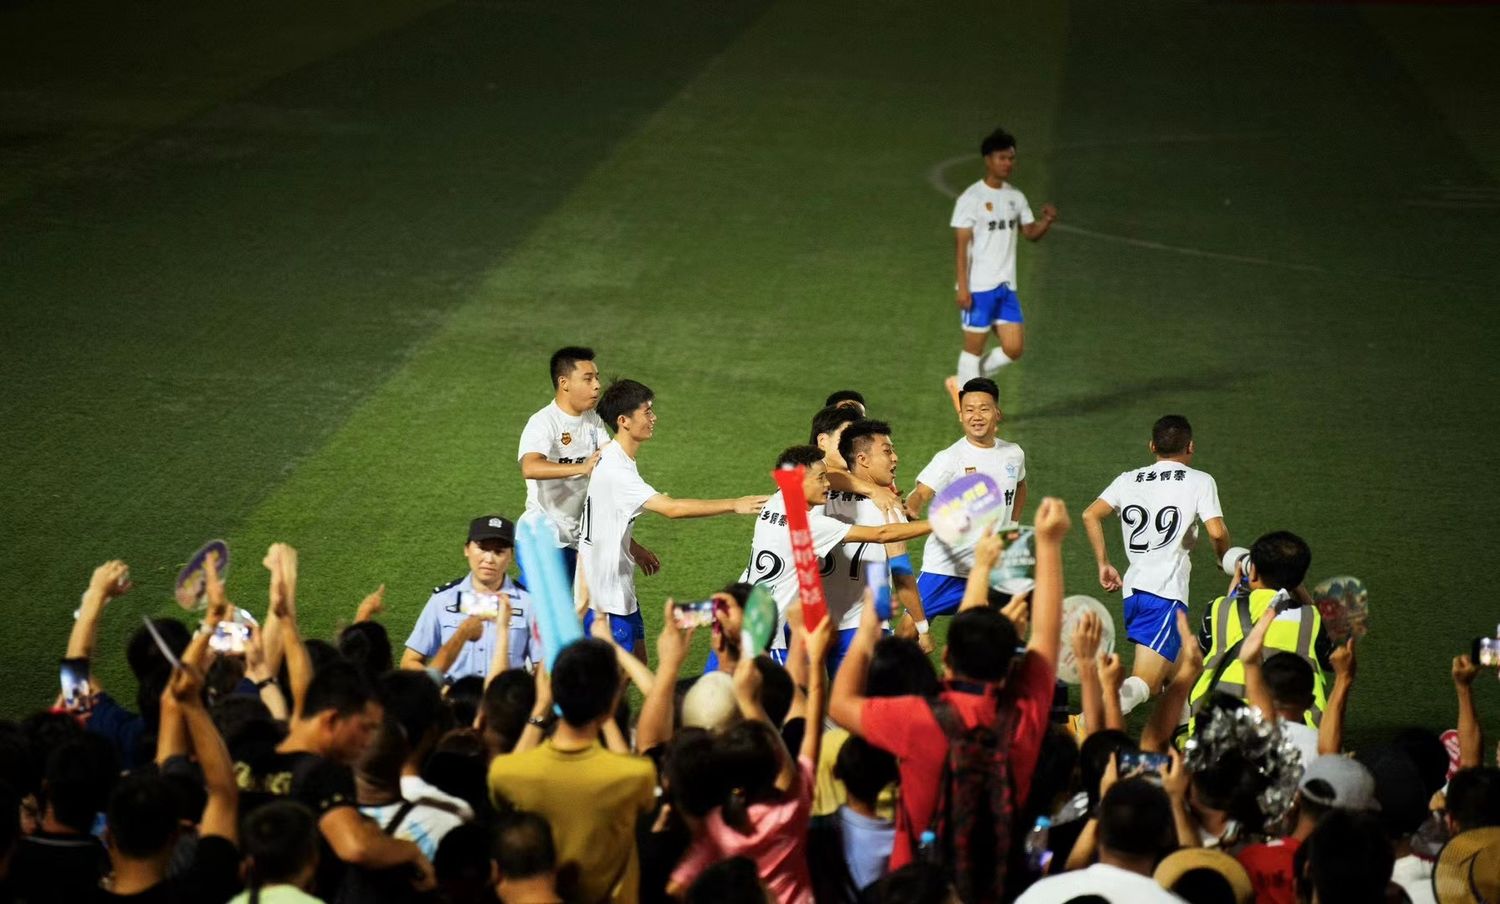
(696, 614)
(230, 637)
(75, 684)
(1486, 652)
(484, 605)
(1137, 762)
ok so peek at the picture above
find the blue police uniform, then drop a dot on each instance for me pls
(441, 617)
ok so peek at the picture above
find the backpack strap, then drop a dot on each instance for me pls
(395, 821)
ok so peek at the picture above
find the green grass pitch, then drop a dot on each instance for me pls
(297, 279)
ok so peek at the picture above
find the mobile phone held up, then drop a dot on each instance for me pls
(1486, 652)
(1139, 762)
(697, 614)
(75, 685)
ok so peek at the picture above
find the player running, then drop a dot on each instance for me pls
(561, 445)
(986, 220)
(945, 569)
(1159, 507)
(771, 559)
(616, 496)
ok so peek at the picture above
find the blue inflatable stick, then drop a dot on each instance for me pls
(548, 583)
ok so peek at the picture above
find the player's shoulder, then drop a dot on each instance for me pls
(543, 416)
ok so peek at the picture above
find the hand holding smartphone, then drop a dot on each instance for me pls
(696, 614)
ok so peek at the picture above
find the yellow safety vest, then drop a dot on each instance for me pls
(1231, 618)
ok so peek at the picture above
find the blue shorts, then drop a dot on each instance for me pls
(628, 630)
(839, 650)
(1151, 621)
(940, 593)
(998, 305)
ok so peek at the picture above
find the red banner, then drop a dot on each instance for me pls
(809, 581)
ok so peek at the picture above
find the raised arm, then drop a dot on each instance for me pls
(817, 642)
(1331, 728)
(1052, 525)
(221, 811)
(1093, 525)
(1470, 738)
(1257, 692)
(665, 505)
(898, 532)
(1087, 634)
(1038, 228)
(109, 580)
(536, 466)
(655, 724)
(469, 630)
(977, 588)
(1157, 735)
(281, 560)
(847, 702)
(500, 660)
(371, 606)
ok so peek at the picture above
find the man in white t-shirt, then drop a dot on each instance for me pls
(561, 445)
(1159, 506)
(616, 497)
(771, 560)
(987, 218)
(945, 569)
(867, 448)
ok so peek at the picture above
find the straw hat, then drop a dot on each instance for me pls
(1468, 868)
(1185, 860)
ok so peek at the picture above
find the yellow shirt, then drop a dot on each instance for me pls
(592, 799)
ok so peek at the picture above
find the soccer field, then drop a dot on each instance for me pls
(297, 278)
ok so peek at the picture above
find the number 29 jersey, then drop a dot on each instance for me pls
(771, 559)
(1159, 508)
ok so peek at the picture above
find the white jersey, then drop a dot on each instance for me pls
(559, 437)
(844, 568)
(1159, 507)
(616, 495)
(1004, 462)
(771, 560)
(996, 216)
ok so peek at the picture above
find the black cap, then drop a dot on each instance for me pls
(492, 527)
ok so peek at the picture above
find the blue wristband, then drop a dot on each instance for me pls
(901, 564)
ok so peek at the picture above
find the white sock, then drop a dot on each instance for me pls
(968, 368)
(1133, 693)
(993, 360)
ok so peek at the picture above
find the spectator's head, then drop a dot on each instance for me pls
(709, 704)
(575, 377)
(914, 883)
(464, 698)
(732, 881)
(1468, 868)
(585, 681)
(729, 617)
(379, 765)
(1427, 753)
(625, 408)
(368, 646)
(1339, 782)
(750, 755)
(150, 668)
(1094, 756)
(465, 866)
(490, 549)
(340, 712)
(1346, 858)
(1052, 779)
(979, 408)
(776, 689)
(828, 428)
(1279, 561)
(1474, 799)
(1291, 681)
(1172, 436)
(1399, 795)
(866, 447)
(846, 398)
(815, 479)
(1205, 876)
(691, 773)
(865, 770)
(280, 844)
(524, 852)
(413, 701)
(507, 705)
(247, 727)
(898, 668)
(1231, 785)
(143, 822)
(1135, 825)
(78, 779)
(981, 645)
(458, 766)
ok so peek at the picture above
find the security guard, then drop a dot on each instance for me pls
(1278, 564)
(490, 550)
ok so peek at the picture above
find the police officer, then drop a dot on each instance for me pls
(446, 620)
(1278, 564)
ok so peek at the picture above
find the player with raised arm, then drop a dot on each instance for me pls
(561, 445)
(986, 220)
(616, 497)
(866, 446)
(771, 559)
(1160, 506)
(945, 569)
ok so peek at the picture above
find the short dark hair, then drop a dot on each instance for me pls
(145, 657)
(899, 668)
(776, 689)
(731, 881)
(829, 419)
(142, 820)
(859, 436)
(1346, 858)
(621, 398)
(1474, 797)
(565, 359)
(280, 839)
(524, 847)
(1135, 818)
(981, 644)
(982, 384)
(739, 591)
(1427, 753)
(1290, 679)
(843, 395)
(78, 780)
(368, 646)
(690, 767)
(464, 698)
(864, 769)
(792, 456)
(1281, 559)
(338, 686)
(412, 700)
(1204, 885)
(585, 678)
(1398, 789)
(998, 140)
(507, 705)
(1171, 434)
